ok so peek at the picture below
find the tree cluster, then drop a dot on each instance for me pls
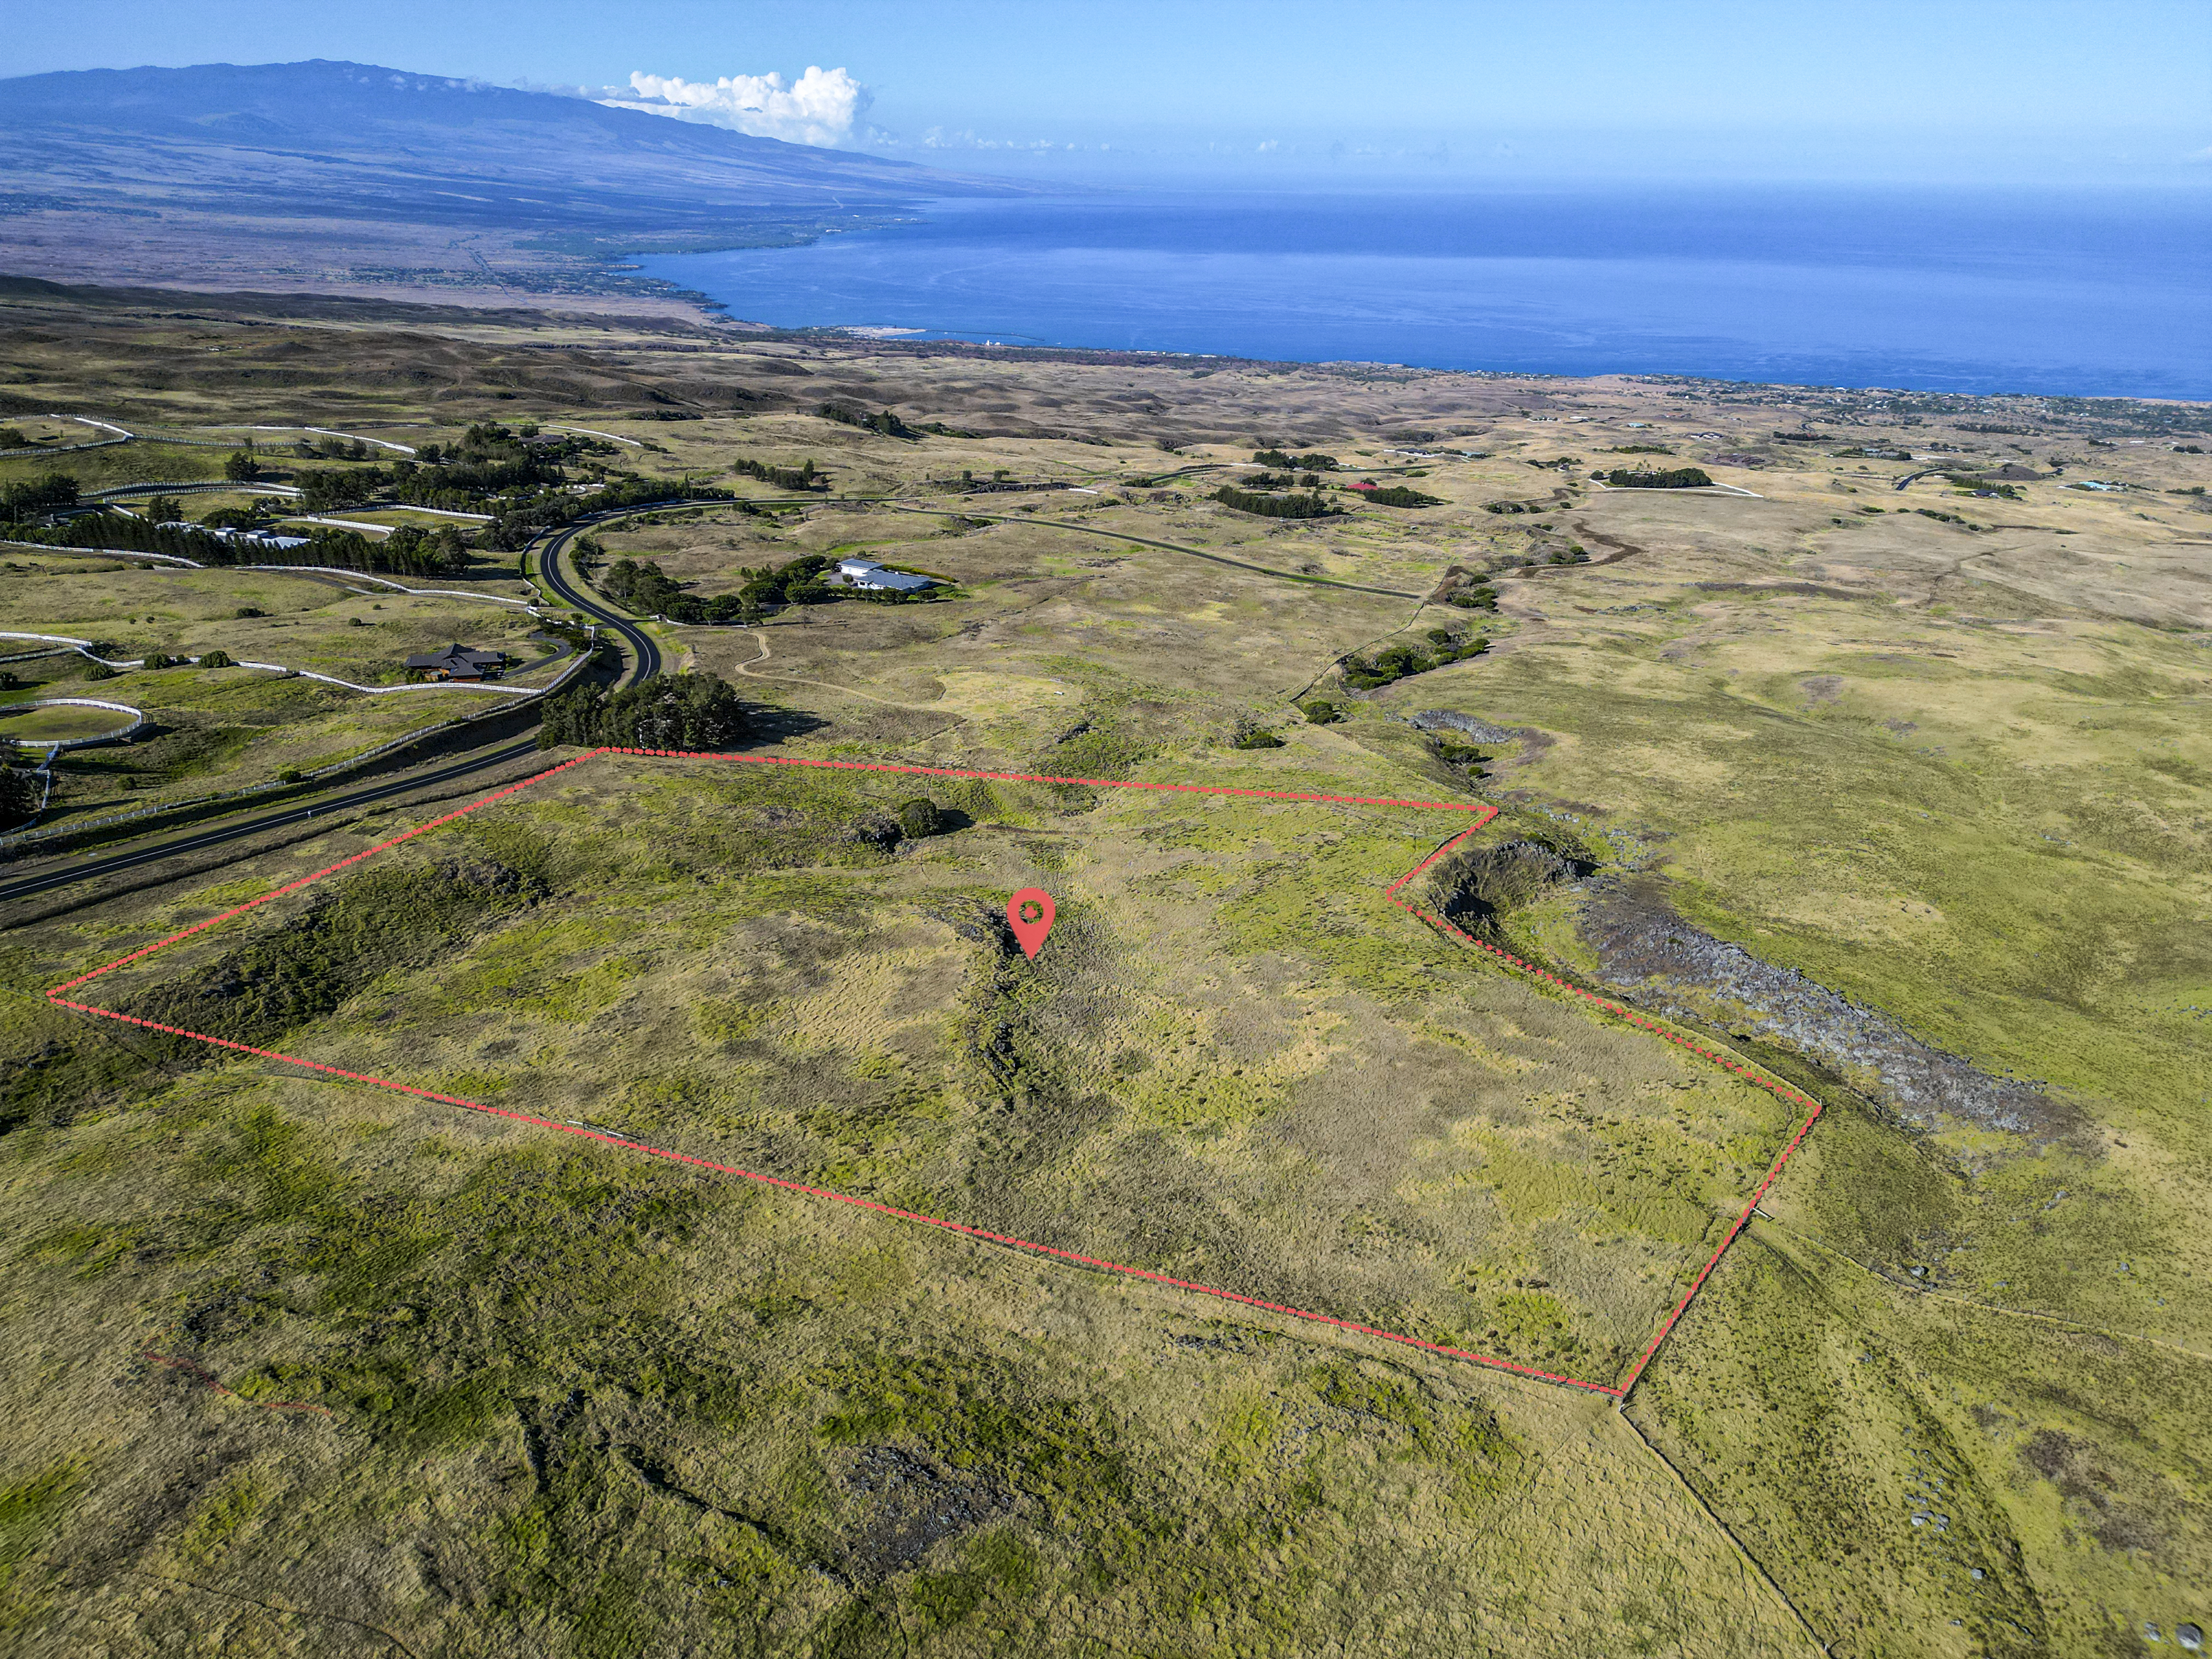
(886, 422)
(1472, 595)
(439, 552)
(408, 552)
(1310, 506)
(694, 712)
(490, 469)
(47, 493)
(518, 524)
(799, 582)
(336, 449)
(1401, 496)
(1314, 462)
(802, 477)
(649, 591)
(1681, 477)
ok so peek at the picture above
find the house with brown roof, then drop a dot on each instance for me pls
(459, 662)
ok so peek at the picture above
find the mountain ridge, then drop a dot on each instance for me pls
(345, 177)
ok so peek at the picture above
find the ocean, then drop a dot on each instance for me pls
(2056, 293)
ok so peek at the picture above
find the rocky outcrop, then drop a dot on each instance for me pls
(1648, 955)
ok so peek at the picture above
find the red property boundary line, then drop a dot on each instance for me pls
(1483, 815)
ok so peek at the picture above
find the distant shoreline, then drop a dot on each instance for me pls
(1849, 288)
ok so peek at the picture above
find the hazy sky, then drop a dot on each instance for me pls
(1940, 89)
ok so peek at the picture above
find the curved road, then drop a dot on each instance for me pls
(46, 881)
(644, 655)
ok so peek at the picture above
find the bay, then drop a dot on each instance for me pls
(2051, 293)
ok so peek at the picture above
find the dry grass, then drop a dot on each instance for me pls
(587, 1406)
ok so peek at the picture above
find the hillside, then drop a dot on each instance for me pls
(354, 178)
(1387, 1217)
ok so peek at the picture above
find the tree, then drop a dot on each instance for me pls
(19, 791)
(921, 816)
(164, 509)
(239, 466)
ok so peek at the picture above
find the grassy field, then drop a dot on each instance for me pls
(1165, 1087)
(487, 1390)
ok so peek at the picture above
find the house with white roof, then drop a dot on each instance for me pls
(874, 578)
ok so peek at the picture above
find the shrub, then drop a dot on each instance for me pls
(248, 611)
(1322, 712)
(878, 829)
(1398, 662)
(217, 660)
(921, 816)
(1253, 737)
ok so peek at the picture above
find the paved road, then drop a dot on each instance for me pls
(28, 886)
(644, 655)
(1930, 471)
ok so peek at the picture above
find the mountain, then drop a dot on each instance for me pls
(354, 173)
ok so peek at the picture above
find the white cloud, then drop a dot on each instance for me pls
(819, 108)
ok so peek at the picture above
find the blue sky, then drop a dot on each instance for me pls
(1962, 90)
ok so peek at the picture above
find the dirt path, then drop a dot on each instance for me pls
(760, 639)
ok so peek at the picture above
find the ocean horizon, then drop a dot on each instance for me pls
(2053, 293)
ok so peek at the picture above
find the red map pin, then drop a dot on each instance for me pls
(1029, 913)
